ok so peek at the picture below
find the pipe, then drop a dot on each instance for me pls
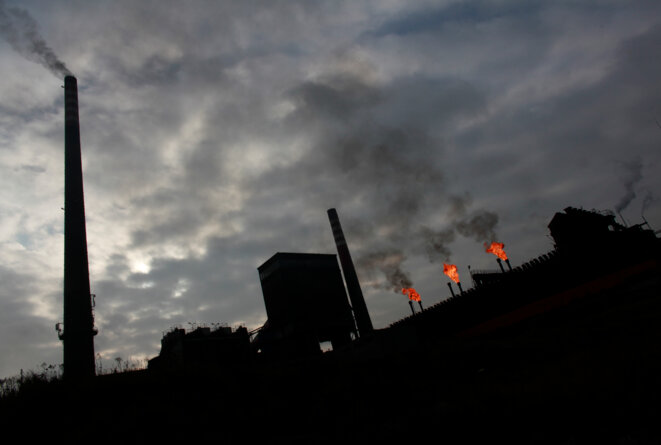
(500, 263)
(451, 290)
(411, 304)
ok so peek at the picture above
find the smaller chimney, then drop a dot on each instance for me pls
(363, 320)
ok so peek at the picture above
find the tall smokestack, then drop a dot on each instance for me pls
(79, 332)
(363, 320)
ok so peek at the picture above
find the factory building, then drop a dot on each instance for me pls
(202, 347)
(594, 262)
(306, 304)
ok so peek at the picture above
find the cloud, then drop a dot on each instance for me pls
(215, 136)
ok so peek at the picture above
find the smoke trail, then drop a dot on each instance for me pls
(648, 200)
(20, 30)
(634, 174)
(388, 262)
(372, 141)
(436, 243)
(480, 226)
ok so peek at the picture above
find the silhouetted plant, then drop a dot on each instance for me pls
(13, 386)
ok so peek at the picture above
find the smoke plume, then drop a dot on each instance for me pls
(389, 262)
(648, 200)
(436, 243)
(634, 174)
(20, 30)
(377, 144)
(480, 226)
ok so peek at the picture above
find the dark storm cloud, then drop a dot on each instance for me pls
(22, 32)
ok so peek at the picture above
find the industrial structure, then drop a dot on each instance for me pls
(202, 347)
(360, 312)
(306, 305)
(594, 261)
(306, 302)
(78, 334)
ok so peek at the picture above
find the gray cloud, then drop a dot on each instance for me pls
(218, 135)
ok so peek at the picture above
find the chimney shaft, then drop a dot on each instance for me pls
(78, 335)
(363, 320)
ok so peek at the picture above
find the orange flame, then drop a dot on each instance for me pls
(497, 249)
(413, 295)
(451, 271)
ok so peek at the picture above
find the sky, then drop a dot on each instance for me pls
(215, 134)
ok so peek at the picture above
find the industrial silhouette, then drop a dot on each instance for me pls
(363, 320)
(560, 349)
(78, 334)
(306, 302)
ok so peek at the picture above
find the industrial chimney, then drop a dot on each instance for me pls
(79, 332)
(363, 321)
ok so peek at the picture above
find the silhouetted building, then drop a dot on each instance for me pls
(79, 332)
(363, 321)
(306, 304)
(589, 233)
(594, 259)
(202, 347)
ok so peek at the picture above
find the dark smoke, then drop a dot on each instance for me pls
(20, 30)
(436, 243)
(376, 143)
(648, 200)
(634, 174)
(389, 262)
(480, 226)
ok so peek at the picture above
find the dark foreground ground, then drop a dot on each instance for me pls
(589, 373)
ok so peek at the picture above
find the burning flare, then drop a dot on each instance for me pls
(451, 271)
(413, 295)
(497, 249)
